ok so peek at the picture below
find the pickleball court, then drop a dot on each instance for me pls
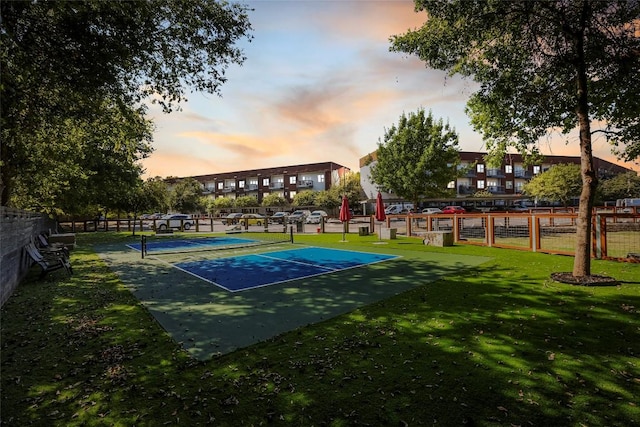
(213, 302)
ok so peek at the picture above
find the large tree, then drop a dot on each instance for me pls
(622, 186)
(561, 183)
(186, 196)
(542, 66)
(67, 65)
(418, 157)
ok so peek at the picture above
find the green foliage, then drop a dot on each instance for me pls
(349, 185)
(560, 183)
(158, 192)
(622, 186)
(328, 199)
(274, 199)
(218, 204)
(74, 79)
(245, 201)
(185, 195)
(304, 198)
(418, 157)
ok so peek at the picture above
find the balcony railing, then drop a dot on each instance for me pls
(251, 187)
(228, 189)
(523, 174)
(495, 189)
(307, 183)
(466, 189)
(495, 173)
(276, 185)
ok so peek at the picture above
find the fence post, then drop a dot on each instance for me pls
(535, 238)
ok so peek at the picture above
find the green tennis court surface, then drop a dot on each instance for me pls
(208, 320)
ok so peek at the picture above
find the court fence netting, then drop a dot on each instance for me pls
(166, 245)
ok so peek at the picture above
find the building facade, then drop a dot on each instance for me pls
(286, 181)
(506, 181)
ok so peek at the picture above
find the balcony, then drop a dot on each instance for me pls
(495, 189)
(307, 183)
(251, 187)
(522, 174)
(228, 189)
(276, 186)
(495, 173)
(466, 189)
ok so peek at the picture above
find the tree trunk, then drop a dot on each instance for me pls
(582, 260)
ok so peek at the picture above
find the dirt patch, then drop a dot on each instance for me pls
(592, 280)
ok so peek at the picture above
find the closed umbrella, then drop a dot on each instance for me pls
(345, 215)
(380, 215)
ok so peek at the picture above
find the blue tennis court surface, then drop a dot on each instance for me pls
(244, 272)
(190, 244)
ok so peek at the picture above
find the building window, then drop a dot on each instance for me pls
(293, 179)
(536, 170)
(480, 184)
(292, 194)
(240, 184)
(253, 181)
(451, 184)
(220, 185)
(508, 168)
(321, 178)
(509, 185)
(264, 195)
(265, 182)
(480, 168)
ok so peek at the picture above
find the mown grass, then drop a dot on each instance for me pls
(497, 345)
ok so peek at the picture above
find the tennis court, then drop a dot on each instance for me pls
(263, 291)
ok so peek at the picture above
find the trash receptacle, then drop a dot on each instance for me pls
(363, 231)
(300, 227)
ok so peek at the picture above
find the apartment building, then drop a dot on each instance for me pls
(286, 181)
(507, 180)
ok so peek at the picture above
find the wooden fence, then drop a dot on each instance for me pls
(614, 235)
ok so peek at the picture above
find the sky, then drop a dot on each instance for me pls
(319, 84)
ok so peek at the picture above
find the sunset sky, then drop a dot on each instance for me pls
(319, 84)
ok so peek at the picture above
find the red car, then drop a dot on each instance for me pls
(453, 210)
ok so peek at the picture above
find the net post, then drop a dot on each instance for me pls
(143, 245)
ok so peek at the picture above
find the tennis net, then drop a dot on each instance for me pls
(231, 240)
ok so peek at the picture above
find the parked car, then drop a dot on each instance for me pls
(252, 219)
(278, 218)
(430, 211)
(232, 218)
(316, 217)
(183, 221)
(298, 216)
(453, 210)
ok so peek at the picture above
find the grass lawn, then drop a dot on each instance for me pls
(500, 344)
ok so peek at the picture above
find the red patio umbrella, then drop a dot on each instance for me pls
(380, 215)
(345, 214)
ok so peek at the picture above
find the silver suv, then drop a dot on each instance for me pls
(183, 221)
